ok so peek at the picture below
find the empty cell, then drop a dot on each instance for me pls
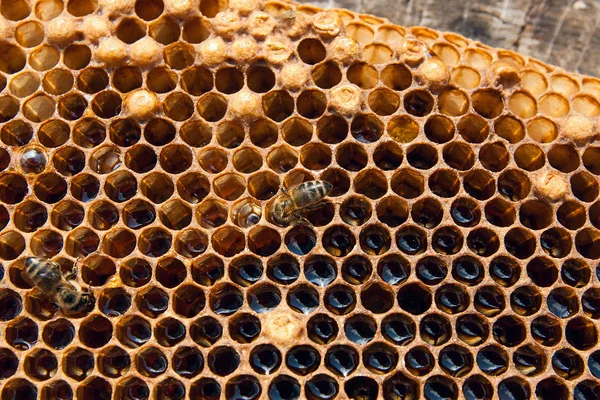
(529, 157)
(25, 84)
(19, 133)
(260, 79)
(453, 102)
(178, 106)
(311, 51)
(311, 104)
(315, 156)
(378, 53)
(459, 155)
(53, 133)
(473, 128)
(418, 103)
(396, 77)
(91, 80)
(465, 77)
(363, 75)
(384, 102)
(164, 31)
(89, 133)
(77, 56)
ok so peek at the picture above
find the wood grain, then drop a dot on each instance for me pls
(561, 32)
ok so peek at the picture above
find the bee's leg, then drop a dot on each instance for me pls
(315, 206)
(301, 220)
(72, 274)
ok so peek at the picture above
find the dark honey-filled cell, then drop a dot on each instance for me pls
(244, 328)
(59, 390)
(356, 210)
(414, 298)
(530, 360)
(411, 240)
(187, 362)
(552, 388)
(542, 271)
(340, 299)
(321, 387)
(171, 389)
(341, 360)
(419, 361)
(302, 360)
(322, 329)
(206, 387)
(489, 301)
(114, 362)
(206, 331)
(78, 363)
(431, 270)
(526, 300)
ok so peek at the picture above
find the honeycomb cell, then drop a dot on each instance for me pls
(133, 331)
(78, 363)
(551, 387)
(459, 156)
(150, 362)
(489, 301)
(22, 333)
(135, 272)
(187, 362)
(132, 387)
(567, 364)
(152, 302)
(58, 389)
(40, 365)
(19, 388)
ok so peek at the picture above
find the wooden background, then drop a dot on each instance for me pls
(560, 32)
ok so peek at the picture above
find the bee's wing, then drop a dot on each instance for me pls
(50, 274)
(294, 179)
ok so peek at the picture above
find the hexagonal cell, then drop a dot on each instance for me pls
(165, 30)
(114, 302)
(263, 241)
(22, 333)
(188, 300)
(40, 365)
(178, 106)
(206, 331)
(135, 272)
(19, 388)
(78, 363)
(113, 362)
(152, 302)
(191, 243)
(133, 331)
(211, 213)
(263, 185)
(156, 186)
(229, 186)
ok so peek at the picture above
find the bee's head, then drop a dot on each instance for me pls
(85, 302)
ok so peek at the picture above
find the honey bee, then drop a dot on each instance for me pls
(285, 209)
(247, 214)
(48, 278)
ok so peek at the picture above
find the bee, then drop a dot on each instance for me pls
(247, 214)
(285, 209)
(48, 278)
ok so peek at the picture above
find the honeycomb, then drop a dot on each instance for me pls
(455, 257)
